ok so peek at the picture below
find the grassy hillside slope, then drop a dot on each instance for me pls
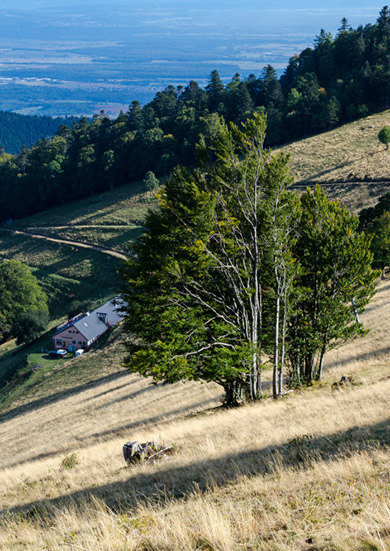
(112, 220)
(347, 161)
(69, 272)
(308, 472)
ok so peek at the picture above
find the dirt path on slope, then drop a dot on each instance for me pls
(83, 226)
(103, 250)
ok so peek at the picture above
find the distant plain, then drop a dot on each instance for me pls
(72, 60)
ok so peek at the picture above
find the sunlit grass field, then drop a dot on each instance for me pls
(310, 471)
(350, 154)
(123, 206)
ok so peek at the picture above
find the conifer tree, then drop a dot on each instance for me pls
(194, 287)
(216, 93)
(335, 282)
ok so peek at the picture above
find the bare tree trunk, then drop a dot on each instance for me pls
(259, 382)
(276, 347)
(283, 347)
(321, 364)
(309, 367)
(234, 393)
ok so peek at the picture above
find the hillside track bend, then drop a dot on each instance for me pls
(103, 250)
(82, 227)
(341, 183)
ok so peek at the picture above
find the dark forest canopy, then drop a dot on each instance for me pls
(341, 78)
(18, 130)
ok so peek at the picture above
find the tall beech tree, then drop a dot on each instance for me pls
(194, 287)
(379, 228)
(233, 267)
(335, 283)
(280, 211)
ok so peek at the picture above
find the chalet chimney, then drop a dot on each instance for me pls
(103, 317)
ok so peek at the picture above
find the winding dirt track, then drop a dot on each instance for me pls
(103, 250)
(345, 183)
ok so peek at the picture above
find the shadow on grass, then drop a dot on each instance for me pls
(130, 396)
(118, 431)
(181, 481)
(313, 177)
(360, 357)
(109, 391)
(384, 288)
(61, 395)
(376, 307)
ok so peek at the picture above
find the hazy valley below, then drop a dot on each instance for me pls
(73, 60)
(194, 286)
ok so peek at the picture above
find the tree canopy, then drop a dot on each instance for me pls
(384, 136)
(234, 267)
(151, 182)
(20, 294)
(336, 281)
(376, 222)
(29, 326)
(339, 79)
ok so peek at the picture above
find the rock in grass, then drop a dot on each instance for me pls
(131, 450)
(134, 451)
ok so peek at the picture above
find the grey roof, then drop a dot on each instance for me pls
(111, 309)
(91, 326)
(97, 322)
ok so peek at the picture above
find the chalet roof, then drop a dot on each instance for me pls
(91, 326)
(97, 322)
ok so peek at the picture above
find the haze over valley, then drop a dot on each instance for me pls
(71, 59)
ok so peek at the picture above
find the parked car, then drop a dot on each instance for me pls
(79, 352)
(58, 353)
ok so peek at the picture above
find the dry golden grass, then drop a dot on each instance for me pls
(309, 472)
(351, 153)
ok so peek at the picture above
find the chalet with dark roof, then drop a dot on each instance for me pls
(84, 329)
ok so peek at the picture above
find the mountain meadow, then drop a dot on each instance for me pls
(247, 227)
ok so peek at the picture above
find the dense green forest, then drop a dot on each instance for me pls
(340, 79)
(17, 130)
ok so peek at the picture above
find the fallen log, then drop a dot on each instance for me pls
(164, 450)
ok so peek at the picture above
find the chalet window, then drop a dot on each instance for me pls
(79, 342)
(59, 341)
(73, 342)
(84, 343)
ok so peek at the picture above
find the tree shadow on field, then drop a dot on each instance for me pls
(180, 482)
(63, 394)
(116, 432)
(313, 177)
(384, 288)
(360, 357)
(375, 307)
(133, 395)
